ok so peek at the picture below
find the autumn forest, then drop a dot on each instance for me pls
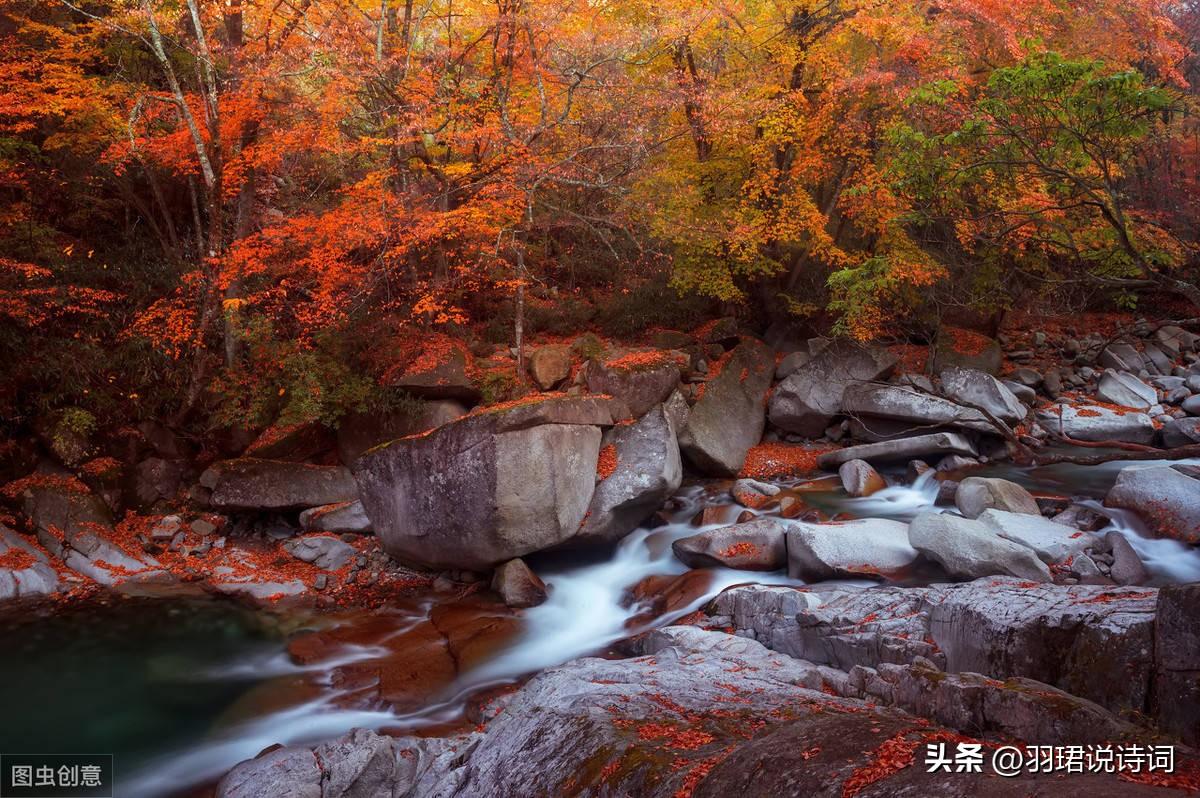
(239, 209)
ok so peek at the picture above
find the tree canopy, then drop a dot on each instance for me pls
(256, 207)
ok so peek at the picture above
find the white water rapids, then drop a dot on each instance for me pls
(586, 611)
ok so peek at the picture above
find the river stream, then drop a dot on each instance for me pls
(181, 689)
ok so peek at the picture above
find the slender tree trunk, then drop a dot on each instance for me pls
(519, 316)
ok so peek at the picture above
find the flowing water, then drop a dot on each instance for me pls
(182, 689)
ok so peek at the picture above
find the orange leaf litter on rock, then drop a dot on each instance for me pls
(607, 463)
(777, 460)
(739, 549)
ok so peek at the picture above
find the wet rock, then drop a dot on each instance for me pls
(915, 470)
(752, 493)
(729, 418)
(1166, 497)
(359, 432)
(806, 402)
(900, 449)
(860, 479)
(976, 389)
(756, 545)
(343, 517)
(1126, 390)
(505, 483)
(970, 549)
(517, 585)
(976, 494)
(1191, 405)
(1127, 567)
(1096, 423)
(1052, 542)
(550, 365)
(647, 470)
(910, 407)
(28, 572)
(282, 772)
(1176, 696)
(324, 551)
(871, 547)
(642, 380)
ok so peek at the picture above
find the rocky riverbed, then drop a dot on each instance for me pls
(799, 562)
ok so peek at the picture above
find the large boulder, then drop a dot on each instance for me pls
(1126, 390)
(756, 545)
(1097, 423)
(639, 468)
(970, 549)
(729, 417)
(806, 402)
(487, 488)
(641, 380)
(1053, 543)
(361, 431)
(976, 494)
(872, 547)
(550, 365)
(24, 569)
(977, 389)
(252, 484)
(1166, 497)
(1176, 698)
(912, 407)
(900, 449)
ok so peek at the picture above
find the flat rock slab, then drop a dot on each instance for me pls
(252, 484)
(1091, 641)
(1096, 423)
(872, 547)
(701, 714)
(939, 443)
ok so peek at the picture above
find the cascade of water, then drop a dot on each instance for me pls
(1168, 561)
